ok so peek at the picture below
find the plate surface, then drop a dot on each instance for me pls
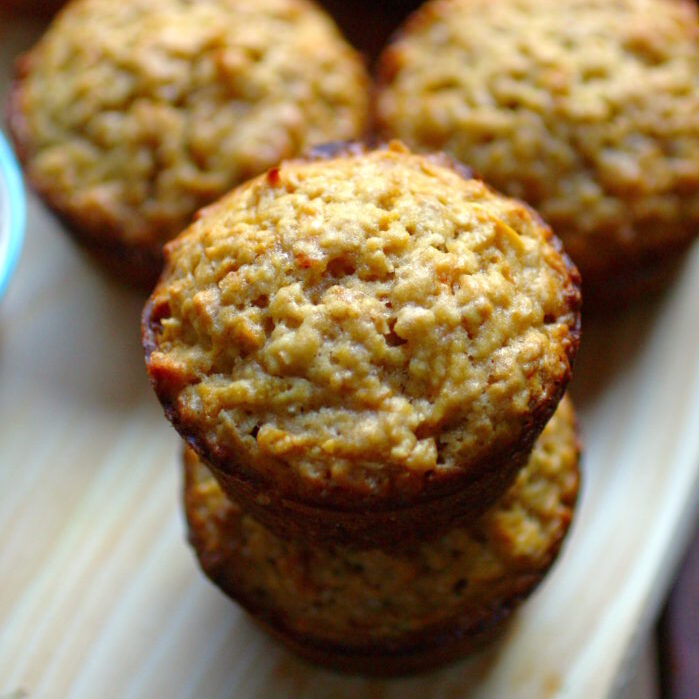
(100, 596)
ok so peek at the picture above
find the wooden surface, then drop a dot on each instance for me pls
(100, 595)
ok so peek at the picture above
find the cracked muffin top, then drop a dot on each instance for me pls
(131, 115)
(370, 323)
(586, 109)
(471, 573)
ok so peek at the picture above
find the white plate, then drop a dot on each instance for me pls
(100, 595)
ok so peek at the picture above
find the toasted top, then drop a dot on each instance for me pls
(470, 572)
(586, 109)
(130, 115)
(365, 322)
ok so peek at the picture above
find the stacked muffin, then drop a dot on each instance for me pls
(129, 116)
(362, 349)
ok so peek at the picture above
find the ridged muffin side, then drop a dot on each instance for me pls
(379, 612)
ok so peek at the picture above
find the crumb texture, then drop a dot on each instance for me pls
(355, 321)
(586, 109)
(132, 115)
(359, 596)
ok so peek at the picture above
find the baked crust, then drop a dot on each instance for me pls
(376, 498)
(524, 93)
(126, 125)
(391, 613)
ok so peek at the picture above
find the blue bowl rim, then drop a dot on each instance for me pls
(10, 171)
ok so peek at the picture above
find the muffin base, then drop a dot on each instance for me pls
(434, 648)
(431, 648)
(299, 587)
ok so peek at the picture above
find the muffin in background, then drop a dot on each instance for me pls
(129, 116)
(400, 611)
(586, 109)
(363, 344)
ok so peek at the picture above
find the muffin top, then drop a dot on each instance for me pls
(470, 572)
(370, 322)
(130, 115)
(586, 109)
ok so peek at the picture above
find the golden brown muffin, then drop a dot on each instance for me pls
(129, 115)
(586, 109)
(364, 346)
(380, 612)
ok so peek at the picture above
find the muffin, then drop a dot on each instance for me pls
(363, 344)
(129, 115)
(586, 109)
(377, 612)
